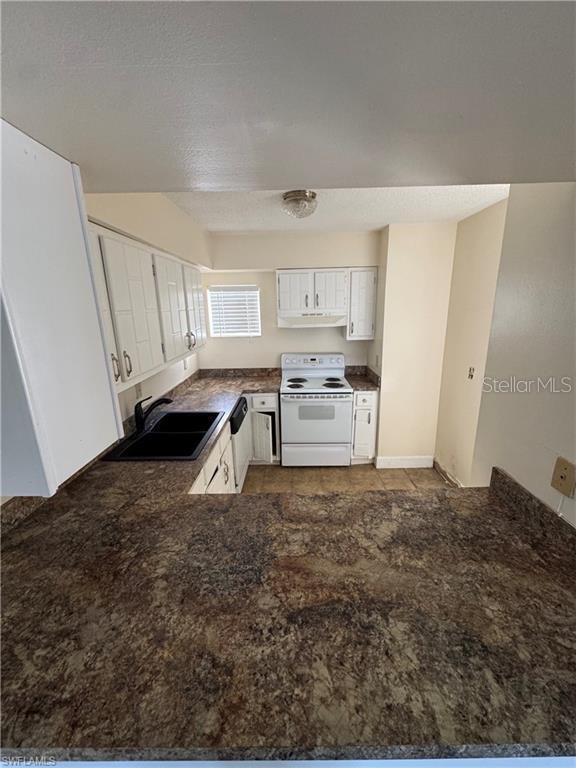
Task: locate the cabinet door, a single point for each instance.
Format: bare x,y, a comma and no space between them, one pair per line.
295,291
199,310
104,303
262,436
58,409
223,480
218,482
227,468
174,321
134,306
362,304
331,290
364,442
195,306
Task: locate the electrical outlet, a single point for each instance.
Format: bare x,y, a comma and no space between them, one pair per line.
138,391
564,477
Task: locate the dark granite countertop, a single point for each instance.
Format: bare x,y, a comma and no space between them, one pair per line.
217,393
362,383
140,622
143,622
205,393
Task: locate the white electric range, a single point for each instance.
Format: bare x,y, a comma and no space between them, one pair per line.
316,406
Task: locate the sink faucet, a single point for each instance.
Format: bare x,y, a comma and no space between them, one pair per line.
140,415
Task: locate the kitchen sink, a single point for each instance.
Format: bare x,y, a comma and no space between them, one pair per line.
176,436
186,421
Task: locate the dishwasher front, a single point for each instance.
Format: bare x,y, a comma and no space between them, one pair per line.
241,429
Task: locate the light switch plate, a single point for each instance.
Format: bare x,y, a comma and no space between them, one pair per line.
564,477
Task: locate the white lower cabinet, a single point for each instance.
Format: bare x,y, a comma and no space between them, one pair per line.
365,422
265,428
217,474
223,480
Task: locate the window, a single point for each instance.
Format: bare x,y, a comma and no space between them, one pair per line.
234,310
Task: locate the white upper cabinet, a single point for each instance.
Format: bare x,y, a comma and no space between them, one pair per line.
312,297
295,292
194,307
362,307
331,291
172,301
59,408
104,303
134,307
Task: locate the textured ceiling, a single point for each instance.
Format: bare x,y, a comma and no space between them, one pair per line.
339,210
169,96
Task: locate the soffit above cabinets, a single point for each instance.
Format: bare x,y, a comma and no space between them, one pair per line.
158,97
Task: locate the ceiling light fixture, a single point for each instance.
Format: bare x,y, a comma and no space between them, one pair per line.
299,203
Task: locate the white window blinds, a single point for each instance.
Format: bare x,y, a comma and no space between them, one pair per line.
234,310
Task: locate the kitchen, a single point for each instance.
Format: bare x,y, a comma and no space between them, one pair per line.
257,503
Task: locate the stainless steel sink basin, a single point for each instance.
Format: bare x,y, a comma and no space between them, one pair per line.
176,436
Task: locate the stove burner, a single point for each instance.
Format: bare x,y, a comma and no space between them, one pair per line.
332,378
295,386
297,380
333,385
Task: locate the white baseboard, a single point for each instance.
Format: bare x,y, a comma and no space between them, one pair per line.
404,462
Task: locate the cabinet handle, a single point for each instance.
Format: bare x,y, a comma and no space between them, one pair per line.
192,343
317,300
115,366
369,417
128,363
306,301
352,327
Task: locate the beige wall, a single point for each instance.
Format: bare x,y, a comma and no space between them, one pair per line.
533,335
375,346
264,351
476,262
282,250
157,385
156,220
418,273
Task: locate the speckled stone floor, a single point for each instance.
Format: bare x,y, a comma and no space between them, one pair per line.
359,624
357,478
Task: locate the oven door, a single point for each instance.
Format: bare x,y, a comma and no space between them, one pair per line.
316,421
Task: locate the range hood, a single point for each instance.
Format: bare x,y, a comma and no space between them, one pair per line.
312,320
